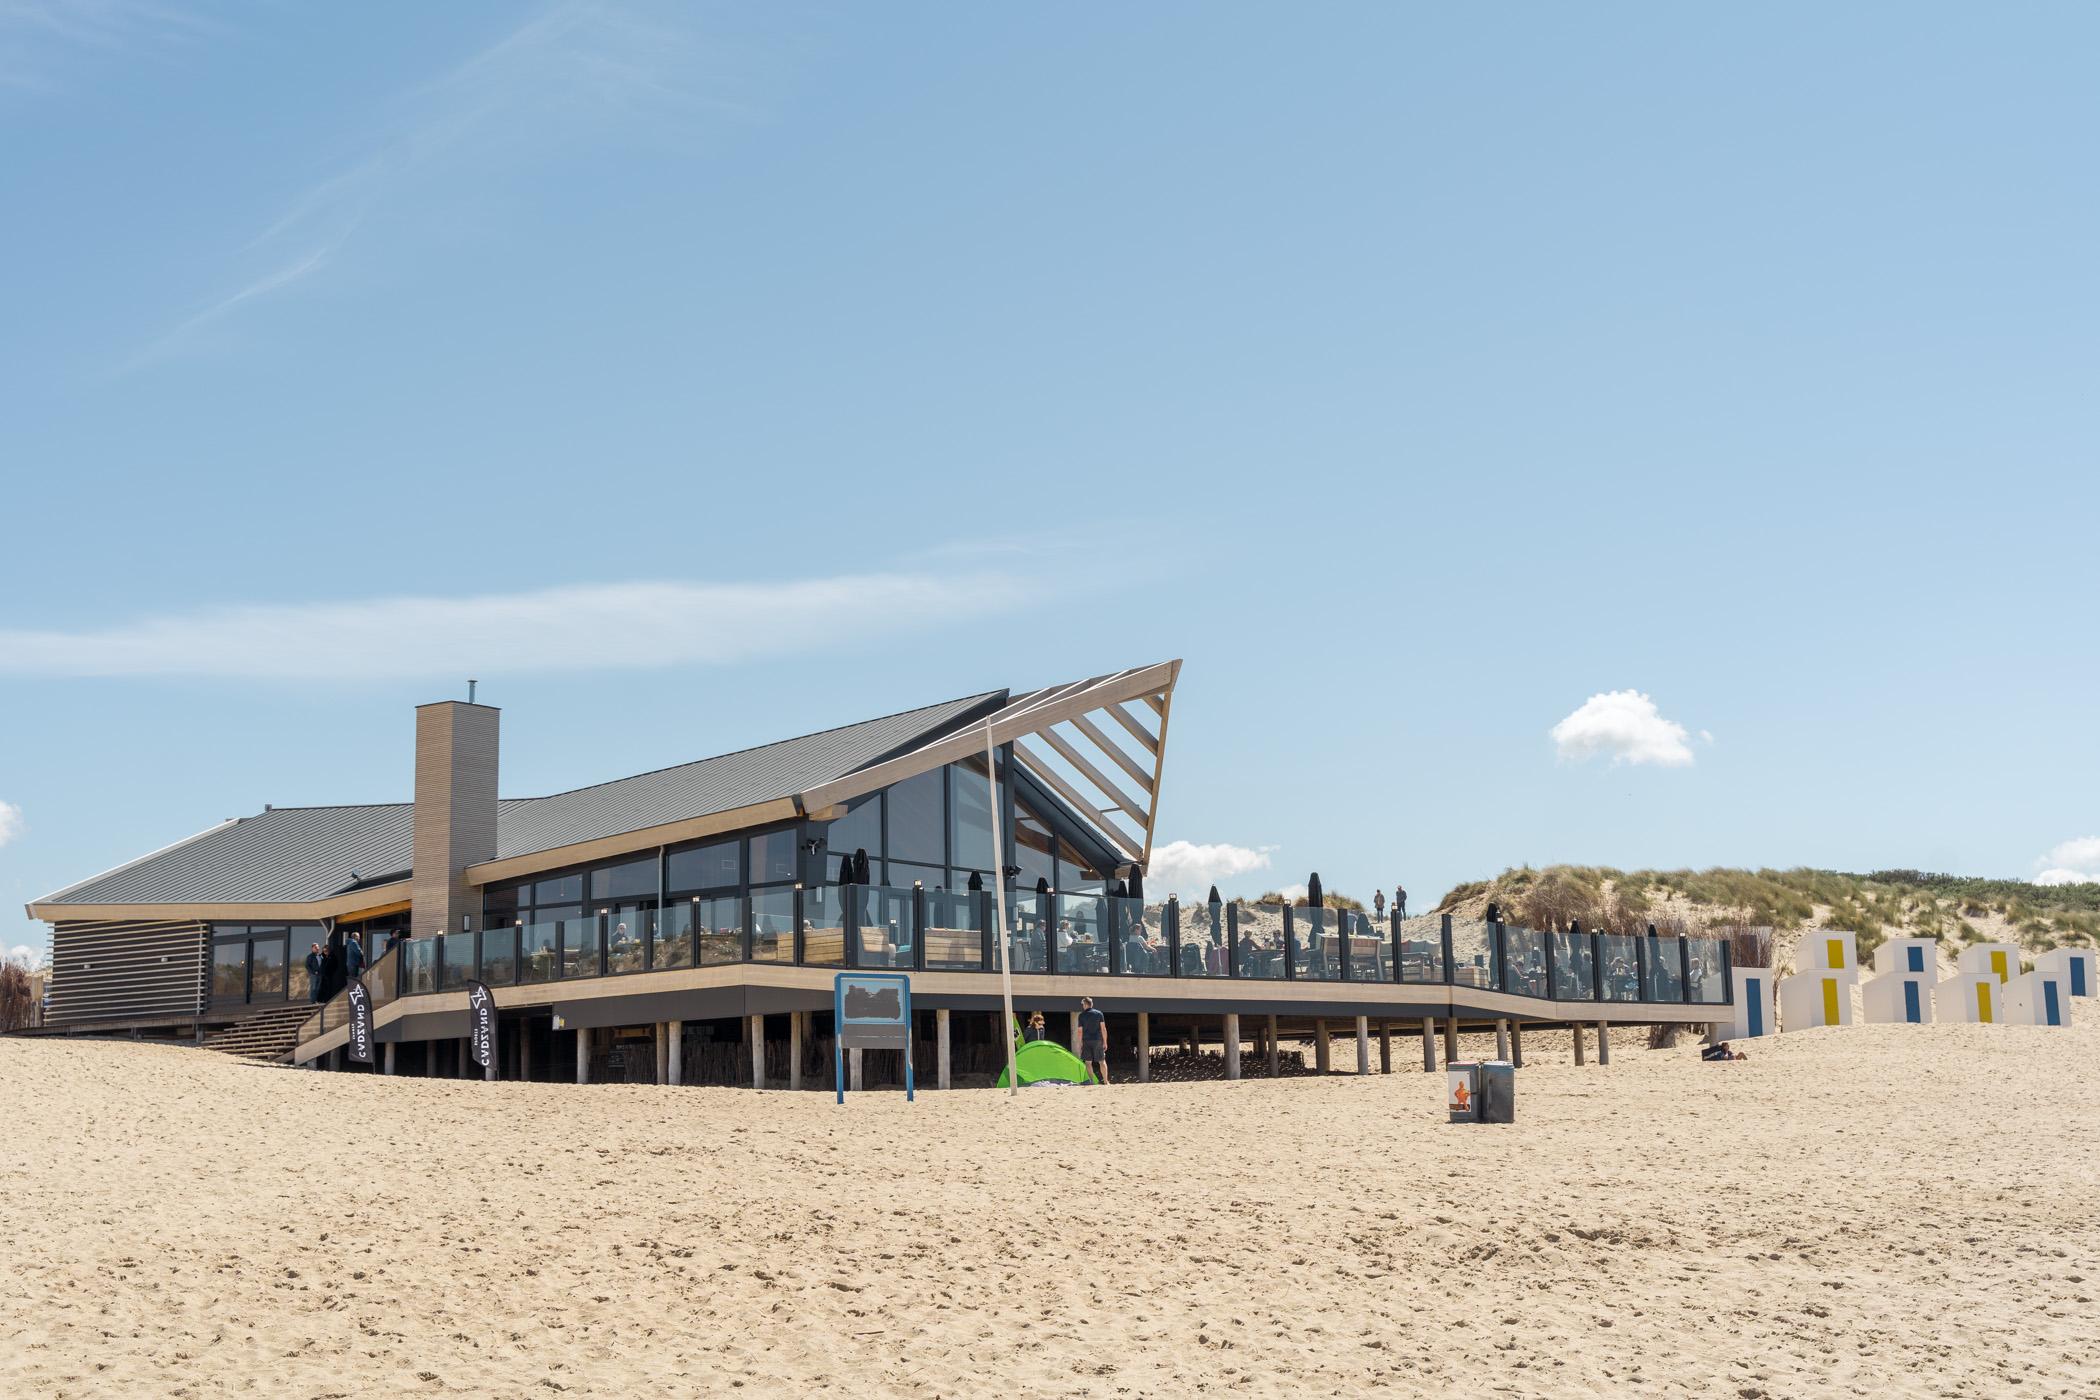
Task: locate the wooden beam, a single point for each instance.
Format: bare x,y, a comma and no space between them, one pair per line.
1122,799
1159,768
1113,750
1129,722
1071,794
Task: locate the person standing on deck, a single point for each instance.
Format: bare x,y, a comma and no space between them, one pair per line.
1378,904
353,958
314,963
1093,1038
1400,898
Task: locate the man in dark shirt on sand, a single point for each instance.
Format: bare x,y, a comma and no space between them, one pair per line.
1093,1039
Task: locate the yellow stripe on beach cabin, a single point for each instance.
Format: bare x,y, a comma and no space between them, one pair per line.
1983,996
1998,966
1836,950
1830,1001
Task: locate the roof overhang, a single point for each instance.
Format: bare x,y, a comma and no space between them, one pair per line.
1100,744
372,900
647,838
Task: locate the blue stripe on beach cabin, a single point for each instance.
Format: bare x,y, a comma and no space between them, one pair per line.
1754,990
1910,999
2049,1003
1916,955
2078,978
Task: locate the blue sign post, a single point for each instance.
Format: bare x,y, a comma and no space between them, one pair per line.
871,1011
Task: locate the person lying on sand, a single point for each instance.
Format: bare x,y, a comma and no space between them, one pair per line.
1721,1052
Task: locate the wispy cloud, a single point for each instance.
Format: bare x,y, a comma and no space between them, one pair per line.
2073,862
1625,726
574,71
1190,869
26,956
41,40
590,626
11,824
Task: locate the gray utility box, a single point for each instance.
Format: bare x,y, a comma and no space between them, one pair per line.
1497,1094
1462,1091
1481,1092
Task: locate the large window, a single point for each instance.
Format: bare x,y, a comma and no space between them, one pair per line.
634,878
970,818
916,819
229,971
859,830
773,858
719,866
266,968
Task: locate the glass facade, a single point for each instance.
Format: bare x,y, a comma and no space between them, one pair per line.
256,963
1258,938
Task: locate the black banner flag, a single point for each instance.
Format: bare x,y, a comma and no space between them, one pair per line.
360,1022
482,1003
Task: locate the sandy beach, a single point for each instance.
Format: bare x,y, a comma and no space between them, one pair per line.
1874,1211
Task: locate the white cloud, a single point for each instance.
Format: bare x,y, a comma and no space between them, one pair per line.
1293,893
1185,868
2073,862
1626,726
583,626
11,823
31,958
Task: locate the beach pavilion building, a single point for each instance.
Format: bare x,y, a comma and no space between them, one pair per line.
686,925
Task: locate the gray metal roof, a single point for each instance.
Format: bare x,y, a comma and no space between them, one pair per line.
288,854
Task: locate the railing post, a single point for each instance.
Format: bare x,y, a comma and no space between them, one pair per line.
1232,936
1684,969
1392,934
987,930
1290,946
1172,917
1727,972
750,935
1450,972
849,924
918,932
795,945
1498,948
1112,929
1640,963
1596,965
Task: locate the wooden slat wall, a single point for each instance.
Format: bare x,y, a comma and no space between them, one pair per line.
117,970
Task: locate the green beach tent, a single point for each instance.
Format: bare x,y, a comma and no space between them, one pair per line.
1045,1062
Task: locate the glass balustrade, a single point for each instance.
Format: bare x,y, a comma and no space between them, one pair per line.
824,925
1027,930
718,923
581,952
1422,949
1203,944
499,955
627,934
1139,939
384,977
456,962
1367,947
1709,968
1082,934
672,947
419,966
1524,962
1620,959
954,935
884,928
1473,955
537,942
1574,966
1316,949
1665,973
773,925
1261,943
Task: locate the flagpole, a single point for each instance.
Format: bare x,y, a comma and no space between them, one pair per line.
1006,971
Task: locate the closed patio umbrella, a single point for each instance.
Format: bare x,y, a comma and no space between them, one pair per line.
1314,895
1137,882
860,865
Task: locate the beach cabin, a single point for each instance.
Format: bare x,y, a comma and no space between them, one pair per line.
1818,997
1919,956
1999,960
1750,1014
2037,999
1827,950
1969,996
2078,967
1898,998
1826,963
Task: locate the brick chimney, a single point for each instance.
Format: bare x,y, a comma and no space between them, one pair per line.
455,821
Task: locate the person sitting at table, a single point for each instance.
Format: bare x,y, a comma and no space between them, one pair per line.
1137,953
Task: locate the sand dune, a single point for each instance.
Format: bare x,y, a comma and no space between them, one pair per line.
1880,1210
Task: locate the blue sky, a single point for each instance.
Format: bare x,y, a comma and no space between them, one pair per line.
698,376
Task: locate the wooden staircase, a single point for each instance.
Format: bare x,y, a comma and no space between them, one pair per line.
269,1034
